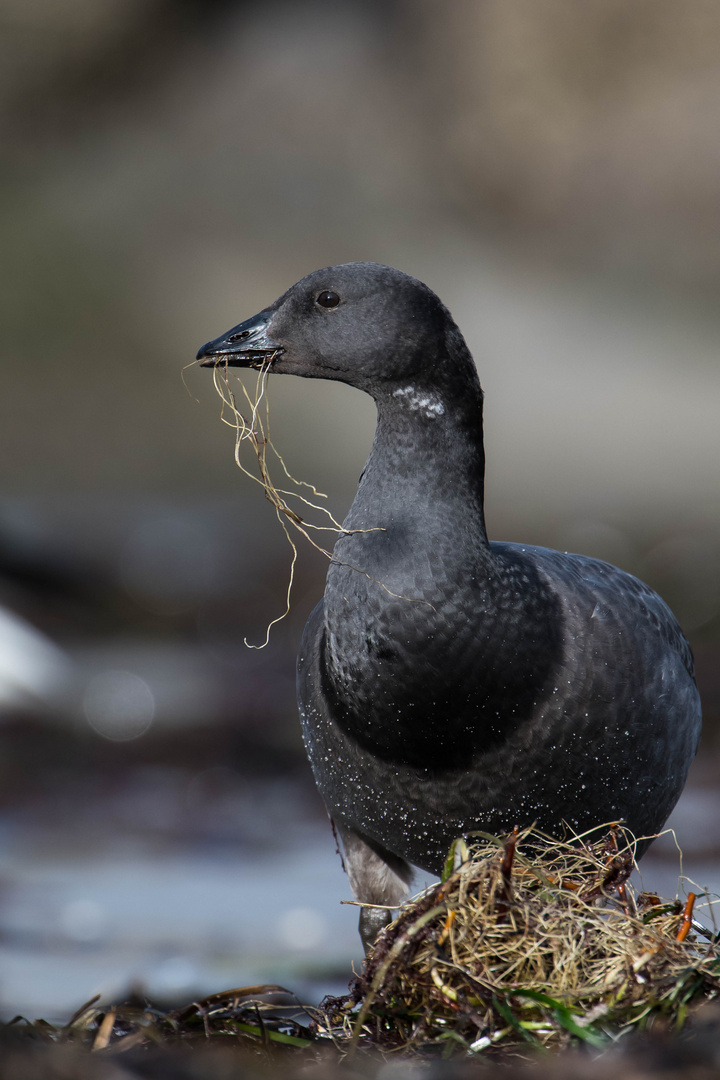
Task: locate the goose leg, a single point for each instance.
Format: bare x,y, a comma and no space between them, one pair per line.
376,877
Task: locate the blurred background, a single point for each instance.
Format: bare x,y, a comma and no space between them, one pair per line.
552,170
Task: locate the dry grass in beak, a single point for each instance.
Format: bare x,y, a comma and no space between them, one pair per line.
254,429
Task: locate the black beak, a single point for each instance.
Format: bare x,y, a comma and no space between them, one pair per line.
246,345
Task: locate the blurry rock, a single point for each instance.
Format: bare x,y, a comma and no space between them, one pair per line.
33,671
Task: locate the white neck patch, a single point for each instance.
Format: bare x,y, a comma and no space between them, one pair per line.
426,404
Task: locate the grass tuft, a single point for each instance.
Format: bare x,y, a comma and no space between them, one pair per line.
532,942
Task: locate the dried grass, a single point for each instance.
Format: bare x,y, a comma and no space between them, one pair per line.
254,430
256,1017
530,941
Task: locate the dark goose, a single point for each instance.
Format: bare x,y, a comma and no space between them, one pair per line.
457,684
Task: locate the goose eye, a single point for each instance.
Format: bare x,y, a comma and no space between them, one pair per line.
328,299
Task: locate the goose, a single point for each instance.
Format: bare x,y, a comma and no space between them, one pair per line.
448,683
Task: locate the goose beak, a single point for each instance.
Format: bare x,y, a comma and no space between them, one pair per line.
247,345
